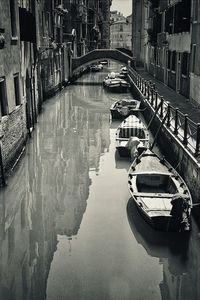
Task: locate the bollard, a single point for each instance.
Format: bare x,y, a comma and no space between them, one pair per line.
168,114
185,140
176,121
197,150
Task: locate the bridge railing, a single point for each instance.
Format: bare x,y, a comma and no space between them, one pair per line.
185,130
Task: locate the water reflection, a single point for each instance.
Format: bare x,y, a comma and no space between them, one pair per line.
121,162
44,216
175,254
48,194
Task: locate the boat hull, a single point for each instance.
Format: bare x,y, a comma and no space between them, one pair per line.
163,223
117,88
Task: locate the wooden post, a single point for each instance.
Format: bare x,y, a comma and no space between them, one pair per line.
1,165
185,141
197,150
176,121
168,114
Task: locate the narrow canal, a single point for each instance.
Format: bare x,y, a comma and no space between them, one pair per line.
68,228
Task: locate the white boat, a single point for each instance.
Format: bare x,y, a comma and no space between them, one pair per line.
132,127
160,193
124,107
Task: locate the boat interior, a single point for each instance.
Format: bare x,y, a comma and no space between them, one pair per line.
132,131
155,183
130,104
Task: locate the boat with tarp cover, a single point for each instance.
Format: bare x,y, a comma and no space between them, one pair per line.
132,135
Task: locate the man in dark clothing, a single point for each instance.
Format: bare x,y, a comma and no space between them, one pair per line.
180,214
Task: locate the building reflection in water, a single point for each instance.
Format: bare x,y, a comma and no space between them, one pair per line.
179,256
48,194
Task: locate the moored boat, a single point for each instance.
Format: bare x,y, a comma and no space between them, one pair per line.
160,193
96,68
123,108
115,84
132,135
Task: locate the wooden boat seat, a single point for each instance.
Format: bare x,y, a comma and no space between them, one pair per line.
153,195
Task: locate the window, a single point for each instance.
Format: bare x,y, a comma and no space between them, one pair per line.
16,85
184,65
174,61
13,18
169,60
3,98
193,58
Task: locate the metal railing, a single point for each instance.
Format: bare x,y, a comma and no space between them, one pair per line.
185,130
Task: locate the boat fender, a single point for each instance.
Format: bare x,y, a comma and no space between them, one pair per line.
170,169
185,192
131,176
131,189
130,182
176,177
138,160
182,184
140,204
133,168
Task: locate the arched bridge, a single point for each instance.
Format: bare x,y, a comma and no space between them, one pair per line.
101,54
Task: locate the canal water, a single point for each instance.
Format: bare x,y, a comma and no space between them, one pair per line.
68,228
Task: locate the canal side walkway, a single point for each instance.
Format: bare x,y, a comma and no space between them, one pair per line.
176,100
